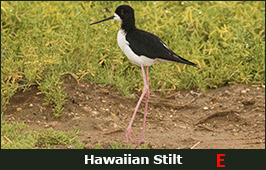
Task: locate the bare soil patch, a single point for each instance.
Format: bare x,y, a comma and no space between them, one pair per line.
224,118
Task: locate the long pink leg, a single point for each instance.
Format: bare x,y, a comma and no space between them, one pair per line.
145,89
146,105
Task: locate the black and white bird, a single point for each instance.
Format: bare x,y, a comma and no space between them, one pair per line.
143,49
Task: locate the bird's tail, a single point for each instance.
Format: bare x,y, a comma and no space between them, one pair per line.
184,61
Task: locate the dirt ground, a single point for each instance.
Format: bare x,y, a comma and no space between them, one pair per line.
231,117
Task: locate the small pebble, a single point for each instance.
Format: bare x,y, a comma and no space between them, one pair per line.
115,125
86,109
183,127
31,105
95,112
227,92
70,147
205,108
19,109
51,124
243,91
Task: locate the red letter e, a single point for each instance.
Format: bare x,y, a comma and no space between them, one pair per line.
219,160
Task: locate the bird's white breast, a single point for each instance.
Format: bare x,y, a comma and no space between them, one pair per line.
124,45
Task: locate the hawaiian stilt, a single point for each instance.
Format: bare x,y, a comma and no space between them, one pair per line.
143,49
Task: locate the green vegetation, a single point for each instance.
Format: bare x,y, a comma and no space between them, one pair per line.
43,41
14,137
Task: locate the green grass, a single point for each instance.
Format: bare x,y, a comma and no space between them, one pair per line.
42,41
13,136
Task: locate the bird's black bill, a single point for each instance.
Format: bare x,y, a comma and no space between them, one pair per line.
103,20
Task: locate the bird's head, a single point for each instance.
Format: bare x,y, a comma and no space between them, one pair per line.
123,13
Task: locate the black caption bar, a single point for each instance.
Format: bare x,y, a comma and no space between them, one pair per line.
157,159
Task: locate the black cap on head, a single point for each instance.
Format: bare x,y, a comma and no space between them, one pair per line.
126,15
124,11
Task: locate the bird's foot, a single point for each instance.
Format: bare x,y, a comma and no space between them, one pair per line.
128,136
140,141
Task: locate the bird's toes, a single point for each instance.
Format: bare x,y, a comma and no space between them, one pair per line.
140,141
128,136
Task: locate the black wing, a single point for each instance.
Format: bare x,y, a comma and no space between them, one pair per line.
149,45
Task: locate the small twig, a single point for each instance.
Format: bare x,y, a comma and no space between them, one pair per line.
222,113
3,51
7,139
195,145
206,128
233,73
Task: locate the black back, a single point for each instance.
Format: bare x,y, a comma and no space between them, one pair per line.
149,45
